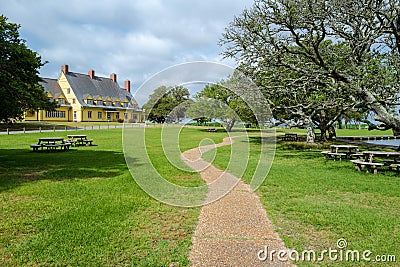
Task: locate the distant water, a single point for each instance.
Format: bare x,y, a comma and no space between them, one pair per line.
391,142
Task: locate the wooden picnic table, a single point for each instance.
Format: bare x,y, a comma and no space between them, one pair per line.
50,140
339,151
51,144
347,148
290,137
371,155
370,162
79,139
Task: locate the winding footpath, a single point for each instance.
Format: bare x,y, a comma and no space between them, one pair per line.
235,229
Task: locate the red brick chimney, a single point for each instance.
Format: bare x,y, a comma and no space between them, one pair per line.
64,69
113,77
127,85
91,74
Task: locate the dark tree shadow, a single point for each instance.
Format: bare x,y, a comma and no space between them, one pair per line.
19,166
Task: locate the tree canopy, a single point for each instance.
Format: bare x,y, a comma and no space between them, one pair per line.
232,100
19,77
167,102
316,60
213,102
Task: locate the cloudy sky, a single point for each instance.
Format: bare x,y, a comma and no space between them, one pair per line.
133,38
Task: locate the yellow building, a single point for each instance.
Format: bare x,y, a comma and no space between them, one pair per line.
87,97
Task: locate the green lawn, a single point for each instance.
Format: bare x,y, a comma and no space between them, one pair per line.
82,207
313,202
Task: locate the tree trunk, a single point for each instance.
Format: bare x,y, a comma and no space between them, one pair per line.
382,114
229,125
332,132
310,135
340,126
323,128
396,131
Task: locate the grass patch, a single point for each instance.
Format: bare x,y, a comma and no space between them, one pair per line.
82,207
313,202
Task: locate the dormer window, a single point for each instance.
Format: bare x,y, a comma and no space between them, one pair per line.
109,103
51,99
99,102
126,105
61,101
117,104
90,101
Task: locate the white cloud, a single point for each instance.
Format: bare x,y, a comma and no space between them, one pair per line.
134,39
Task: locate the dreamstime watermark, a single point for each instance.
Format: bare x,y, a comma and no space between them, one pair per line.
339,254
137,141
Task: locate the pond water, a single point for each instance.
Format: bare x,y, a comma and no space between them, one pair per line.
392,142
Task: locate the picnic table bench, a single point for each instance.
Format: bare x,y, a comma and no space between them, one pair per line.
369,163
333,155
79,139
51,144
394,166
342,151
360,165
290,137
211,130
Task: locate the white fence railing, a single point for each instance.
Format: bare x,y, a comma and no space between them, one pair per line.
63,128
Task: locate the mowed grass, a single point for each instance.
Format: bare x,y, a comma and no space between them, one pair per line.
82,207
313,202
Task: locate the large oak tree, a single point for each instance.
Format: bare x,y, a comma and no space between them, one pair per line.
167,102
321,58
19,77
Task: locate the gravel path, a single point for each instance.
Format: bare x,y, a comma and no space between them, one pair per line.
234,229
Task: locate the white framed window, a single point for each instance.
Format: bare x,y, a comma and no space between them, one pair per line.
90,101
89,114
55,114
99,102
60,101
99,115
